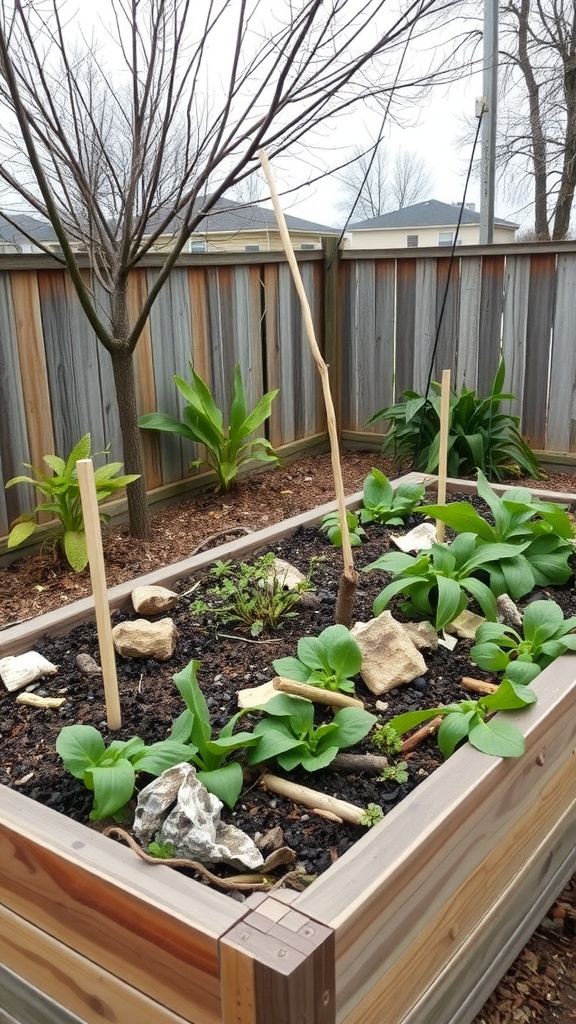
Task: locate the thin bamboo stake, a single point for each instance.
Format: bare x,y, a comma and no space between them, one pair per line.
421,734
311,798
93,532
443,449
477,685
316,693
349,578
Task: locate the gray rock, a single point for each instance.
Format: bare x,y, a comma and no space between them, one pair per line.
177,808
508,612
153,600
87,666
144,639
422,634
389,658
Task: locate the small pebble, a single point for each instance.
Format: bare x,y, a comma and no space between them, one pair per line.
381,705
420,683
304,817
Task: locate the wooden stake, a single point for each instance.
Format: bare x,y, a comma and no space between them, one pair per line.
91,515
316,693
477,685
311,798
443,449
349,577
421,734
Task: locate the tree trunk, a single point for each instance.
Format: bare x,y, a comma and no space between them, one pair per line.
125,383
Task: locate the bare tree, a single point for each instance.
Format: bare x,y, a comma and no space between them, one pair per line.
118,144
377,182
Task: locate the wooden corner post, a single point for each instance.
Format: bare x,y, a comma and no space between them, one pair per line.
277,965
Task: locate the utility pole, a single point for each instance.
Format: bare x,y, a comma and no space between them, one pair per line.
488,107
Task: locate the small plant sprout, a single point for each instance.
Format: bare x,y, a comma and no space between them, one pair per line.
332,528
387,739
395,773
162,851
328,660
383,503
471,719
547,635
373,814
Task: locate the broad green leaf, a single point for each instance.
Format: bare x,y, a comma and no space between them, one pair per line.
225,782
314,762
194,700
397,586
56,464
461,516
300,712
509,696
353,725
410,719
113,788
80,451
76,550
521,673
274,738
450,601
19,533
80,747
541,621
453,729
158,757
497,737
260,413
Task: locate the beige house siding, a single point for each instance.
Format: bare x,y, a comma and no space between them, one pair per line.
239,241
397,238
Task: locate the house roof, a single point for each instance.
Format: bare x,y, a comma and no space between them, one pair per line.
229,216
38,229
432,213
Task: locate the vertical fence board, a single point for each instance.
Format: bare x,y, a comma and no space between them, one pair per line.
289,353
447,308
145,383
491,309
517,285
382,378
112,434
37,402
467,349
562,412
540,314
359,375
271,340
405,324
424,322
14,448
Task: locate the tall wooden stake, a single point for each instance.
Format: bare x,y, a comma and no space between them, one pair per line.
349,577
443,449
91,515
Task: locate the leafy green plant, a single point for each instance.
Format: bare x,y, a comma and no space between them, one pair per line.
110,772
288,735
162,851
386,739
221,776
250,594
547,634
395,773
373,814
437,583
228,448
62,491
333,529
542,530
481,436
327,660
471,719
382,503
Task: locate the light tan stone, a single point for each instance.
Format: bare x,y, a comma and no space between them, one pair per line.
153,600
422,634
465,625
144,639
389,658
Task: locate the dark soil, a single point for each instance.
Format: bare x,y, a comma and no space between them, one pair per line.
542,985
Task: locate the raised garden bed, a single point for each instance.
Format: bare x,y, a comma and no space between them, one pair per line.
417,922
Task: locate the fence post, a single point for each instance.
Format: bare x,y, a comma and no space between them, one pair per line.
332,333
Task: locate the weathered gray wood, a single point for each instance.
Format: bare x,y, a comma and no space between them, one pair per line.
14,447
425,323
382,385
361,377
538,333
405,324
517,283
22,1003
491,308
561,410
447,296
289,354
467,355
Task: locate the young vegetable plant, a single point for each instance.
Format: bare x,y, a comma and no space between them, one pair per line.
110,772
221,776
547,635
228,448
541,529
333,529
382,503
249,593
470,719
437,582
288,735
327,660
62,491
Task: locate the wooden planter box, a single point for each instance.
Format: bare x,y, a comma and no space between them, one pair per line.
416,923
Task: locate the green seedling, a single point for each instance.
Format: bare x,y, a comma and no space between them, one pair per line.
471,719
332,528
382,503
547,635
328,660
395,773
373,814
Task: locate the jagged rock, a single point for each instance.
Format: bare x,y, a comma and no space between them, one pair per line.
273,839
17,670
144,639
389,658
287,575
254,696
153,600
87,666
422,634
420,538
465,625
177,808
310,600
508,612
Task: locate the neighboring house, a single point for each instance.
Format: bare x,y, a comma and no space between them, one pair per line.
235,227
13,240
424,224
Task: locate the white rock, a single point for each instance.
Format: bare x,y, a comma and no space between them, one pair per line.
177,808
465,625
389,658
287,575
18,670
144,639
153,600
419,539
508,612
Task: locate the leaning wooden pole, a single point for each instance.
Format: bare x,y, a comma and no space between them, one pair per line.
349,578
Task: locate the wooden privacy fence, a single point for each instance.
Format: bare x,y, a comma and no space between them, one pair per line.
376,315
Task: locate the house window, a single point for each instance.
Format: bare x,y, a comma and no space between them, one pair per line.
445,237
307,245
412,241
252,248
197,246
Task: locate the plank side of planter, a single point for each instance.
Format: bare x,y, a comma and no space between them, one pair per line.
417,922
